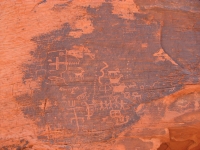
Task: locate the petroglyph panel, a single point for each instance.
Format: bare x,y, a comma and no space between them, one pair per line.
93,84
85,82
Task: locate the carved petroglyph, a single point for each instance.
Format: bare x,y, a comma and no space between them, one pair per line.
76,118
116,79
136,96
80,75
115,76
162,56
133,85
58,63
82,96
71,103
119,88
105,88
122,104
102,71
114,73
71,90
57,80
118,117
90,110
79,52
101,105
127,95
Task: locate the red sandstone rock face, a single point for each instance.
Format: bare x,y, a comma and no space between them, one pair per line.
83,74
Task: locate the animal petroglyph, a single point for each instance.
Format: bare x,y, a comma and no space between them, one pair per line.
119,88
71,90
79,75
79,52
114,73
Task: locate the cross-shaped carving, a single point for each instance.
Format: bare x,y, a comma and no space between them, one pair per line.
58,63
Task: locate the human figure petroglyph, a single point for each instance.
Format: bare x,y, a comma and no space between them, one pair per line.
105,105
110,104
116,103
101,105
122,104
90,110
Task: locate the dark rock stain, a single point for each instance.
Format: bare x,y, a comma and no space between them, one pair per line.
118,43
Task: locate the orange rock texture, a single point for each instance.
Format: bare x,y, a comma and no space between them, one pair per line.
100,75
